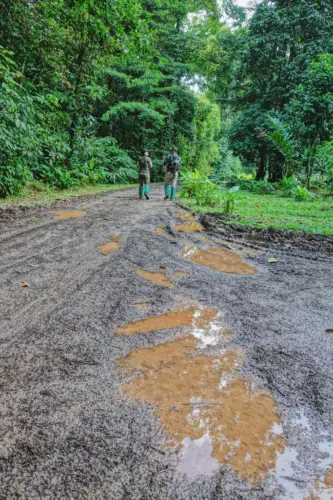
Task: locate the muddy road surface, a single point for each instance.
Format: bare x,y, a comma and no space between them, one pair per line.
148,355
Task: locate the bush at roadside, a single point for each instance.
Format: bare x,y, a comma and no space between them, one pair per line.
206,193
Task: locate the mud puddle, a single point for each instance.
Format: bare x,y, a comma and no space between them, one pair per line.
311,488
318,489
205,324
322,487
143,306
218,258
180,274
189,227
111,246
160,279
187,217
211,415
69,214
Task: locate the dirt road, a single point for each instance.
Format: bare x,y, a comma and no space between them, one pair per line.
140,360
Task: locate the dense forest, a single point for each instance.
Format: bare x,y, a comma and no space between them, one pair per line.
86,84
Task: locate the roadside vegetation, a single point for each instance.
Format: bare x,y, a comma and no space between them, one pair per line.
40,194
275,211
283,205
85,86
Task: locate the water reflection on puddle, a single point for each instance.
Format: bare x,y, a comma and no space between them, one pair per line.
195,457
204,324
69,214
320,488
218,258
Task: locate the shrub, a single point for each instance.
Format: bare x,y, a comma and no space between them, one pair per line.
101,160
230,199
230,169
259,187
18,140
288,184
207,193
13,178
193,183
301,194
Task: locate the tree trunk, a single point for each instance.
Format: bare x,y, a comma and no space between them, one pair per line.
276,167
261,170
310,162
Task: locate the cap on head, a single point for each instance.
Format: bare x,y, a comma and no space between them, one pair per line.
174,149
144,151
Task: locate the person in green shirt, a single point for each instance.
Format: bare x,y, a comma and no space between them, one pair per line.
172,166
145,164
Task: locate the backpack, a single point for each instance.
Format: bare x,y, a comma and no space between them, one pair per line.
174,164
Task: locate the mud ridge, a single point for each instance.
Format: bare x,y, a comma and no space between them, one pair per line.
286,241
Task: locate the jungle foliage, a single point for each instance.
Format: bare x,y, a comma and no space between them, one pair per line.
85,85
278,95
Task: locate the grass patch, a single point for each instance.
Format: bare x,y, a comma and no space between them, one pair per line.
39,194
271,210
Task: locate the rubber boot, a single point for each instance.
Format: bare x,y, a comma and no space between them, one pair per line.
147,191
167,191
173,193
141,191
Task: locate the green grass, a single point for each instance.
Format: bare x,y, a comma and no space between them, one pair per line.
39,194
271,210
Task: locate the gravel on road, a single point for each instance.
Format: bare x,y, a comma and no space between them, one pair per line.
148,356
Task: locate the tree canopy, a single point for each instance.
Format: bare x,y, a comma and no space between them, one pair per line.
85,85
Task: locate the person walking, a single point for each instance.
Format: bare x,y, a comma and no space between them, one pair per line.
145,165
172,166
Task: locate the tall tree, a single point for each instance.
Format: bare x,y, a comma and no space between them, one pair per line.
283,38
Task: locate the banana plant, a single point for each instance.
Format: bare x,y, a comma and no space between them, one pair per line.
283,141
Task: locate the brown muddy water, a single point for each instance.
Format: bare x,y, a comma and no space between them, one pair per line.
197,318
218,258
69,214
211,415
183,216
189,227
180,274
160,279
110,247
